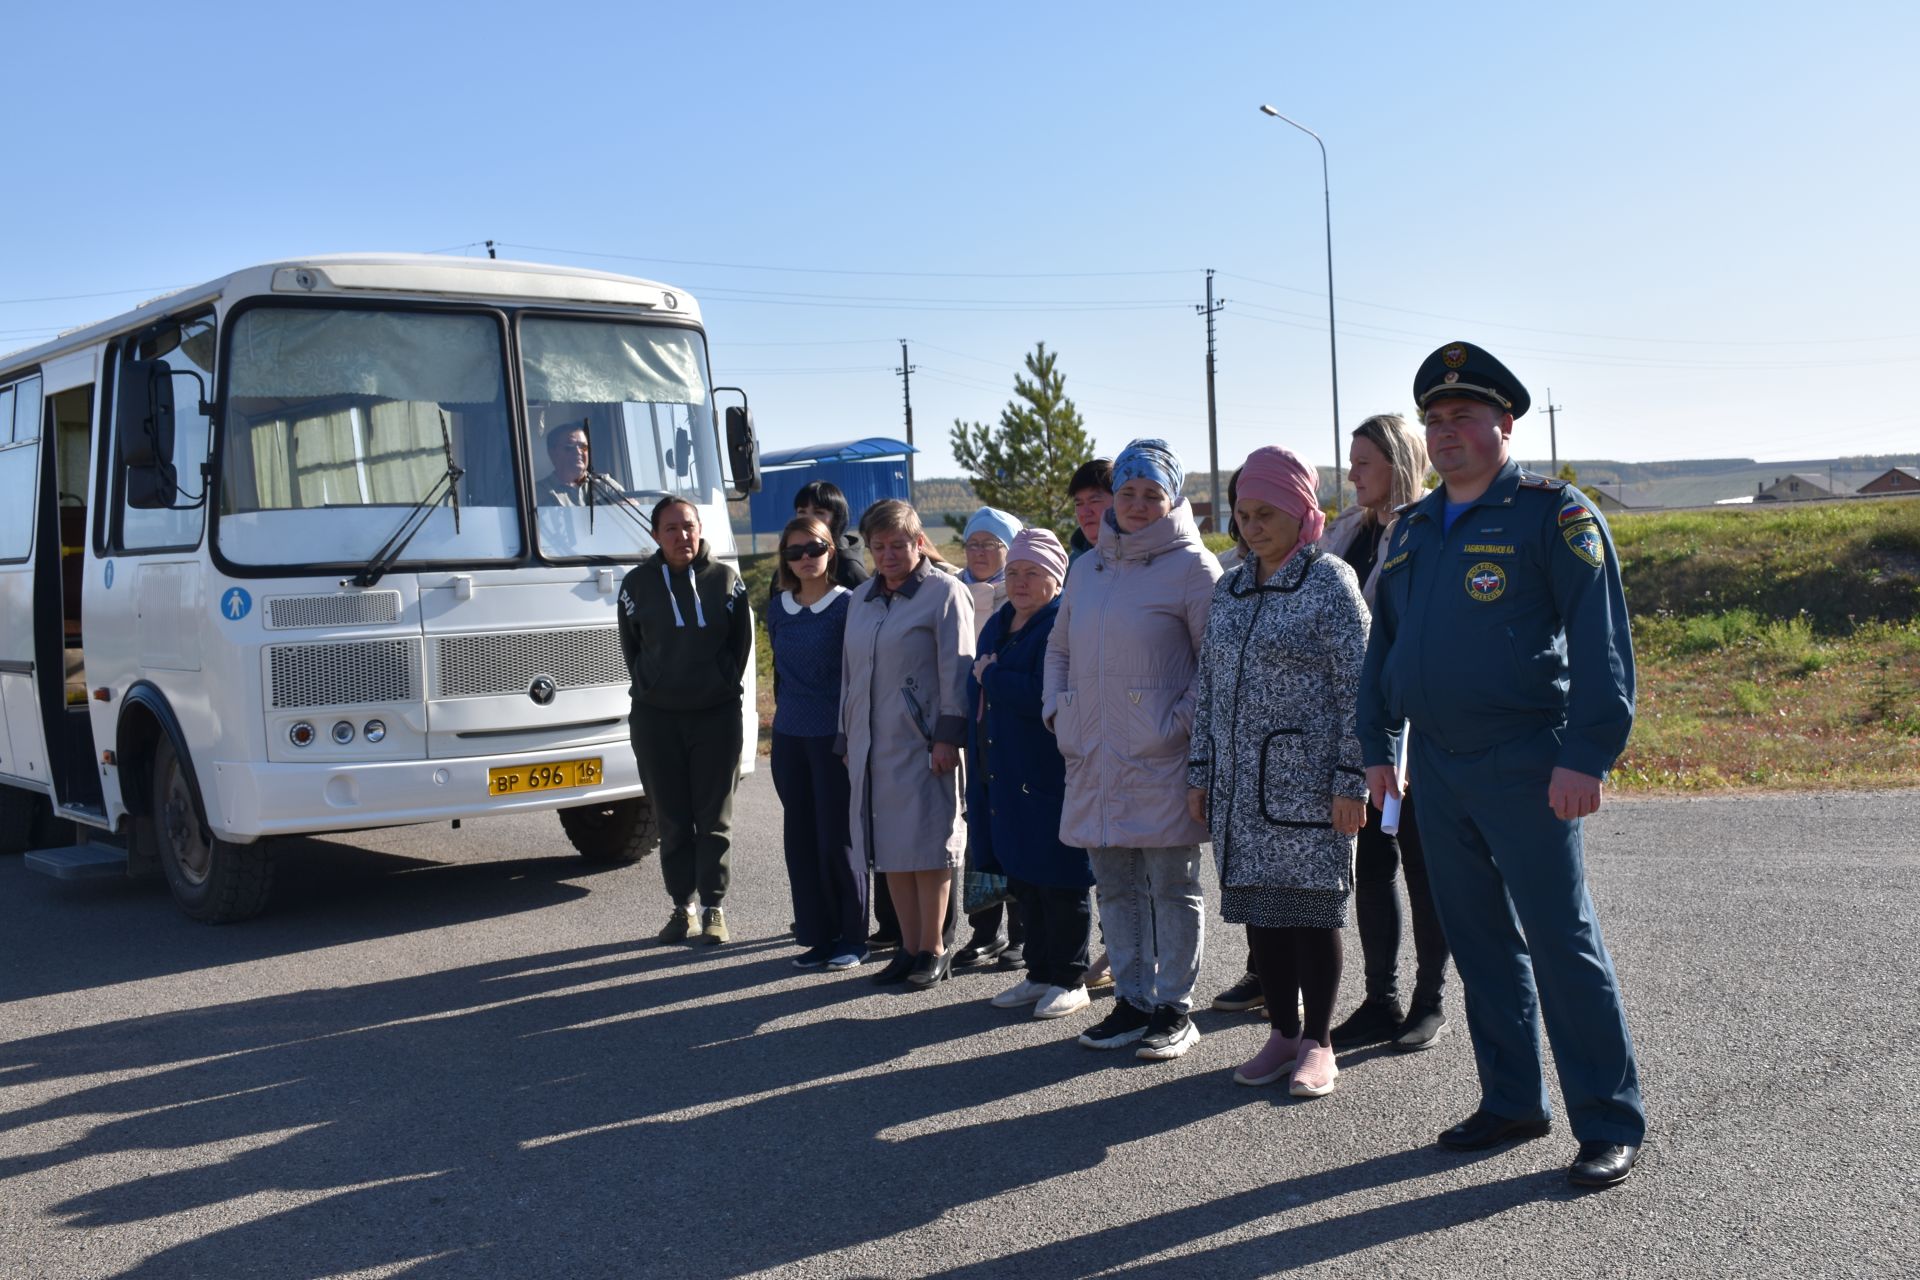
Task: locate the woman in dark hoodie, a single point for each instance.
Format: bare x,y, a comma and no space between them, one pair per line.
823,500
687,634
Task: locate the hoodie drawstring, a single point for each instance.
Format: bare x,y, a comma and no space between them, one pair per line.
699,613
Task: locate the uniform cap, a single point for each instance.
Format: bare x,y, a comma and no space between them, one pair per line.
1462,369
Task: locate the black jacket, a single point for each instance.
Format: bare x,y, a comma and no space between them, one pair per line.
687,644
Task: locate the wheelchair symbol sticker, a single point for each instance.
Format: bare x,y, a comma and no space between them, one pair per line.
235,604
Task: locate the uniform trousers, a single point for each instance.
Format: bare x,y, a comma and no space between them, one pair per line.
690,766
827,878
1509,880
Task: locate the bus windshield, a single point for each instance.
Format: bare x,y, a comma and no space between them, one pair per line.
340,421
621,400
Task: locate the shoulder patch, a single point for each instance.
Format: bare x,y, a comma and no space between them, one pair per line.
1584,540
1574,508
1528,480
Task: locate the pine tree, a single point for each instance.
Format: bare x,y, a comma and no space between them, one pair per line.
1023,464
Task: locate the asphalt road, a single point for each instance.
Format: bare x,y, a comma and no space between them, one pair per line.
461,1054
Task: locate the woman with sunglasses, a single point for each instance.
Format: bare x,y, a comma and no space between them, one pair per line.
807,625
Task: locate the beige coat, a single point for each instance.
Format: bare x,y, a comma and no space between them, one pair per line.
905,817
1119,685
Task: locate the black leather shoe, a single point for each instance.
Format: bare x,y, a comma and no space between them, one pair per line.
897,969
928,968
979,951
883,942
1373,1022
1484,1129
1602,1164
1014,957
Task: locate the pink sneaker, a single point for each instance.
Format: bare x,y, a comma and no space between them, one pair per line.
1275,1059
1315,1075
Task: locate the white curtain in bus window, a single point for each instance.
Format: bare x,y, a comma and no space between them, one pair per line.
640,393
353,409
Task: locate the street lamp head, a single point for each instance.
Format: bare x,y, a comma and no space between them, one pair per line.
1269,110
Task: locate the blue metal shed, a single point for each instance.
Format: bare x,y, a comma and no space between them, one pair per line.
867,471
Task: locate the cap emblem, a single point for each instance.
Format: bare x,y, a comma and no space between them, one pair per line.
1454,356
1451,377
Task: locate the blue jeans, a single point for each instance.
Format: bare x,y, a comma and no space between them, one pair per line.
1152,917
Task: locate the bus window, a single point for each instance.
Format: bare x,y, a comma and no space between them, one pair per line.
19,469
332,412
639,394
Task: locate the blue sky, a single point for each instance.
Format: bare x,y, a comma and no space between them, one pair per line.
1692,222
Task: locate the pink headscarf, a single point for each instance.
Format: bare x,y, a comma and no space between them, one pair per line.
1277,477
1041,547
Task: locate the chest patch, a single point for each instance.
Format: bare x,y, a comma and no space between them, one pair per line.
1395,561
1486,582
1584,541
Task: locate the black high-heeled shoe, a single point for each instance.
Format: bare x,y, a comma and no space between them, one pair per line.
896,970
928,968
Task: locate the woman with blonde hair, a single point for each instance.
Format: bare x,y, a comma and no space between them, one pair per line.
903,719
1389,469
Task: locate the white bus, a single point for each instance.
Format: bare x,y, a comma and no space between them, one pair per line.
289,553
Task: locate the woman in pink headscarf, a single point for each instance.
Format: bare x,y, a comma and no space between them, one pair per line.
1275,768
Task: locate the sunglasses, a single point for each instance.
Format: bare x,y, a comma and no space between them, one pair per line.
805,550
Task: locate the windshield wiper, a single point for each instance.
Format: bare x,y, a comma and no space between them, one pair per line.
448,485
602,483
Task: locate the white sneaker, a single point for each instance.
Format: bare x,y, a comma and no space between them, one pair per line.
1058,1002
1022,992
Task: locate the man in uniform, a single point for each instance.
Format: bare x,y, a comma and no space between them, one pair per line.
1500,631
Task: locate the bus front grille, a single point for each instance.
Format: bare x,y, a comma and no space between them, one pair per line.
344,675
364,608
509,661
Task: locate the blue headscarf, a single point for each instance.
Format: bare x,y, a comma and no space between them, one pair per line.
1150,460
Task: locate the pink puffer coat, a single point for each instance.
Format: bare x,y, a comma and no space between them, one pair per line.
1119,685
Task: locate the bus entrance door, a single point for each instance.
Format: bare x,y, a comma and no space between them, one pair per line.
59,632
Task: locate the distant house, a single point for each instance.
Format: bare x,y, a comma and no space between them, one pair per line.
1798,487
1894,480
1616,497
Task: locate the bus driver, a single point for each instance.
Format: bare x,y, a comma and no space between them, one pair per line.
570,454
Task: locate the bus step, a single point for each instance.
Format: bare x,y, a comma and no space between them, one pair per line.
79,862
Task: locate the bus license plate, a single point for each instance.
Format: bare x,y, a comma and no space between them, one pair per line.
519,779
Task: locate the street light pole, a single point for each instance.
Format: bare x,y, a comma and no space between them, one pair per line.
1333,350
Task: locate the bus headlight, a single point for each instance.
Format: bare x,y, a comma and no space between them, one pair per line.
301,735
343,732
375,730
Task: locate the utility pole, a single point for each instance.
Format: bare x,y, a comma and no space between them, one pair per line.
1213,422
1553,431
490,252
905,373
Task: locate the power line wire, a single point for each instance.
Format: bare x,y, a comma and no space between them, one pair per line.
838,271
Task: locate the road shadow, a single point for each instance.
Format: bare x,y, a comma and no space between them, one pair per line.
623,1109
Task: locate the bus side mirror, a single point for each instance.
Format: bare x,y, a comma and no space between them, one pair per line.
145,432
743,450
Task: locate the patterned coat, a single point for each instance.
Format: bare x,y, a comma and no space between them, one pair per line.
1273,733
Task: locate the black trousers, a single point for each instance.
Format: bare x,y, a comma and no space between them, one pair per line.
1059,933
1376,908
690,765
986,924
829,883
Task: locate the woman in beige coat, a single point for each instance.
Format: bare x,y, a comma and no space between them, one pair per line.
1119,698
910,645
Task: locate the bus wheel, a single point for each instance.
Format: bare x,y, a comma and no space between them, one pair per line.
19,819
212,879
621,832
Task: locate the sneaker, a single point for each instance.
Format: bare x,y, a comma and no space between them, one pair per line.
1100,977
979,951
1317,1071
1277,1057
1118,1029
1025,991
1058,1002
713,926
1374,1022
1425,1024
1170,1034
680,925
1242,995
812,958
844,958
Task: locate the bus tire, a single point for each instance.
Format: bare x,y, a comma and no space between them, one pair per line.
213,880
616,833
20,820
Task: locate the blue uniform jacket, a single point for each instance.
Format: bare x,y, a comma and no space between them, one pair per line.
1510,623
1016,777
